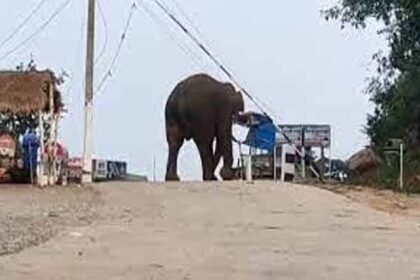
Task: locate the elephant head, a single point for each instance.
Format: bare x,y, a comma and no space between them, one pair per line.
236,100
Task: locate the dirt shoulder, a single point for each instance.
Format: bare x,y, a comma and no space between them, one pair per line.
31,216
381,200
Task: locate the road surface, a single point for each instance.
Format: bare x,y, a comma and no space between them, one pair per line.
225,231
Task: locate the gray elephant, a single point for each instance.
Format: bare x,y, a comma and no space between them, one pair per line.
202,109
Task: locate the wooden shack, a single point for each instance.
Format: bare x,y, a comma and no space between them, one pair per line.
34,92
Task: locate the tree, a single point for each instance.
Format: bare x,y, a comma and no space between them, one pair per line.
395,90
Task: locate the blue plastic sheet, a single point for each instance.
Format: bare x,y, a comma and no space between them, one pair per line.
30,145
262,134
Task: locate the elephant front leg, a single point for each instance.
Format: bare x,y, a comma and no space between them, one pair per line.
224,143
207,161
227,172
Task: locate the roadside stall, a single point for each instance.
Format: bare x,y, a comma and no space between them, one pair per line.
31,96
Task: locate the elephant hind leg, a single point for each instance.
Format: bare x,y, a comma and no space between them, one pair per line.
207,161
175,140
224,149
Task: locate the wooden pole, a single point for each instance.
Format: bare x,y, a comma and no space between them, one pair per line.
41,181
55,147
51,148
90,52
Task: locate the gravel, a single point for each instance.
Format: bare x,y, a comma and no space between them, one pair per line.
31,216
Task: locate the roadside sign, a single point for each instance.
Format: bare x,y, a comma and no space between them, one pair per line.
307,135
393,145
293,132
317,136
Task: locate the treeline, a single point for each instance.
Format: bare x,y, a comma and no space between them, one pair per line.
395,89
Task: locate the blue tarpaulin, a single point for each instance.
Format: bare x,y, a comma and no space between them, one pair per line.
30,145
262,133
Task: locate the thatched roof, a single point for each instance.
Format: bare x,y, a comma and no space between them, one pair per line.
27,92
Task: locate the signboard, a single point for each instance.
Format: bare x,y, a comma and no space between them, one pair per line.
117,169
293,132
75,169
393,145
308,135
7,145
109,170
317,136
103,170
100,171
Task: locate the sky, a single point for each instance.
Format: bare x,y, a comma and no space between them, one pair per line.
304,69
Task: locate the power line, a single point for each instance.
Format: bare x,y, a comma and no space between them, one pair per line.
189,20
105,24
228,74
108,73
199,32
206,41
208,53
16,30
41,28
171,35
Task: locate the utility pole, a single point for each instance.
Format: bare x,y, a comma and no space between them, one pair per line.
90,52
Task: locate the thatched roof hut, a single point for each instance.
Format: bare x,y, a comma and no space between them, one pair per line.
27,92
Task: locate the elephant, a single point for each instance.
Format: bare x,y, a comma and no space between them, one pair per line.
202,108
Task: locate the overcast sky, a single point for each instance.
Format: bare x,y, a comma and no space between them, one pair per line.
283,52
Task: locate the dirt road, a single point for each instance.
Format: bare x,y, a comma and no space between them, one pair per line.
231,231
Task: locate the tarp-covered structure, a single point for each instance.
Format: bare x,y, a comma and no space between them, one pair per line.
262,131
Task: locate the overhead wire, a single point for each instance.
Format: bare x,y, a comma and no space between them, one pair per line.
199,33
108,73
171,35
204,39
229,75
208,53
105,26
24,22
41,28
77,55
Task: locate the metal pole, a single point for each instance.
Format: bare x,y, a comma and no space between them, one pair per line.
303,164
402,166
330,163
275,163
90,52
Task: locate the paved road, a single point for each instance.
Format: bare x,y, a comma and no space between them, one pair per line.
231,231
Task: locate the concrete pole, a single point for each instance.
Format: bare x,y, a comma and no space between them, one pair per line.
90,52
248,171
